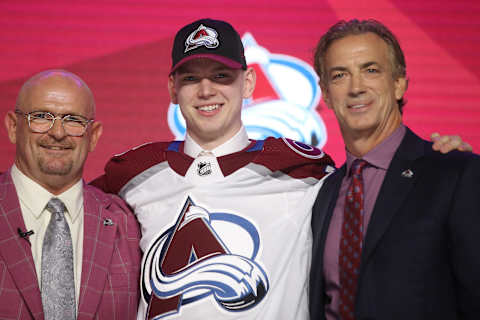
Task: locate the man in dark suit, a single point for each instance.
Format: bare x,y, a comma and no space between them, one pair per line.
67,250
395,229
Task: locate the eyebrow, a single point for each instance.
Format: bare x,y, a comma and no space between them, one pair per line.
362,66
180,70
337,69
368,64
62,114
223,68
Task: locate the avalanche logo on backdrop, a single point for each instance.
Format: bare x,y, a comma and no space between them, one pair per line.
204,255
283,103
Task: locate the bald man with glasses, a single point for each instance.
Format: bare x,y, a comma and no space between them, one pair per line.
67,249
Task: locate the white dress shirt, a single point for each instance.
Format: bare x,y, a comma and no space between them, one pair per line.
33,200
236,143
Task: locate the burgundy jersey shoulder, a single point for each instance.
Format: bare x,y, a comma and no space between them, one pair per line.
297,159
123,167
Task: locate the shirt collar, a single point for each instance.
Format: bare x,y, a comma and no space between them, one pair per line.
383,153
238,142
35,197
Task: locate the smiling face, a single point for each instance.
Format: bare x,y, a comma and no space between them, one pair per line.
210,96
361,89
53,159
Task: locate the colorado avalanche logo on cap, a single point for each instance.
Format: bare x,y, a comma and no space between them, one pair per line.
202,36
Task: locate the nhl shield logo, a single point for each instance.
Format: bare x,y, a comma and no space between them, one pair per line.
204,168
202,36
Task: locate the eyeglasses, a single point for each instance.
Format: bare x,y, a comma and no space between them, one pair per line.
42,121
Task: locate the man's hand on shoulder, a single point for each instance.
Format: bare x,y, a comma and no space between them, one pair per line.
447,143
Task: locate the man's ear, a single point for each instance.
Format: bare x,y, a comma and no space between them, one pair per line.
401,85
12,126
325,95
250,80
171,89
96,131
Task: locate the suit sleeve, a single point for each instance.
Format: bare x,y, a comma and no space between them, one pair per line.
133,233
465,239
132,236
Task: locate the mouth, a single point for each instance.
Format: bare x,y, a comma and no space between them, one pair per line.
358,106
209,107
56,148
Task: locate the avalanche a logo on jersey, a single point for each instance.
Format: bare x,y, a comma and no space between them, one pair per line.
204,255
203,36
283,103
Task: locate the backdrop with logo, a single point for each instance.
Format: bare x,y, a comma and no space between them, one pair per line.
122,50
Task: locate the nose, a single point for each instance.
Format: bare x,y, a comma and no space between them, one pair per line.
57,131
357,85
206,88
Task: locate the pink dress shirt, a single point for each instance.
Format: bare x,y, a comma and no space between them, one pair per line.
379,159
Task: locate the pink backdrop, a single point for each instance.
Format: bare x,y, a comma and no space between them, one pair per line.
122,50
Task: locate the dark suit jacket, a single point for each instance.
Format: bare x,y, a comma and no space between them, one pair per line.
421,255
111,259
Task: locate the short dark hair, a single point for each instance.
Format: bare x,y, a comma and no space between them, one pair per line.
343,29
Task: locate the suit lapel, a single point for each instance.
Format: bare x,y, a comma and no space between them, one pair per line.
98,243
16,251
322,214
328,197
395,188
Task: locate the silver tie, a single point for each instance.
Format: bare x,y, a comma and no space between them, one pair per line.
58,286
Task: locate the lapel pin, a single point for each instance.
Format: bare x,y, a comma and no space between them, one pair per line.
407,173
108,222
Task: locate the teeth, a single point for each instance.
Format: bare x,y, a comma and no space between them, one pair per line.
55,148
209,108
357,106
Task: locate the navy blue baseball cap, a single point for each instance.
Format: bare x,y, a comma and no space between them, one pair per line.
211,39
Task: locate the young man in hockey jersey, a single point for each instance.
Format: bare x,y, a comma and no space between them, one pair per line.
225,220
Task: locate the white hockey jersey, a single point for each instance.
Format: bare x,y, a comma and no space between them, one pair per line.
223,238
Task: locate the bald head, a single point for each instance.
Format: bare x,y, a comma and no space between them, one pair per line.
56,79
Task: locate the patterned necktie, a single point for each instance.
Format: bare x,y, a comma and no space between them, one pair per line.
58,286
351,241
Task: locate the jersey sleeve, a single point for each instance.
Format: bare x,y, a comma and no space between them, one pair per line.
123,167
294,158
